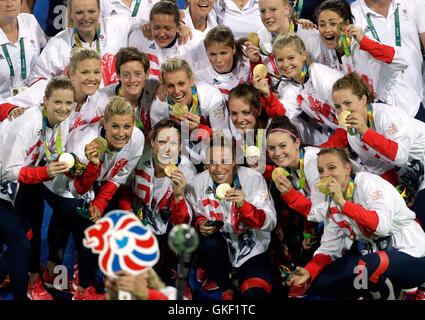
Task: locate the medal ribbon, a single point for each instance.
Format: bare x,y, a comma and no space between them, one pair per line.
195,100
258,141
136,8
138,118
344,42
302,174
43,137
78,40
236,185
353,131
397,28
23,60
350,189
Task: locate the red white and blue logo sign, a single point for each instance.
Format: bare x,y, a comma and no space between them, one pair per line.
123,243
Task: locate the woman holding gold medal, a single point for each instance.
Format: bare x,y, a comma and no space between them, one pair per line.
307,89
156,189
294,179
345,47
238,199
31,146
248,122
227,64
363,207
388,141
196,103
107,153
276,18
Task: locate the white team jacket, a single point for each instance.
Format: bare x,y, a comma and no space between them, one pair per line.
54,59
153,195
314,98
211,108
34,42
21,144
91,112
267,44
116,167
383,78
241,22
395,219
211,21
226,81
243,242
117,7
193,51
406,133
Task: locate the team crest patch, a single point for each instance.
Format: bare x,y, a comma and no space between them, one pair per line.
393,129
376,195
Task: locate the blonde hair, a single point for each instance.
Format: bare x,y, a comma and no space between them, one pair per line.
81,54
118,105
287,39
69,22
176,64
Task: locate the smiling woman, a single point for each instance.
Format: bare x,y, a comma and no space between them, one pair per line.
30,160
90,192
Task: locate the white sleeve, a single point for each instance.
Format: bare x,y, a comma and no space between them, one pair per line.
137,39
312,41
30,97
159,110
287,94
51,62
420,15
395,127
332,242
378,198
258,195
13,160
218,115
133,158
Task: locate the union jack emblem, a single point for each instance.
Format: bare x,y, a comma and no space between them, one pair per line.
123,243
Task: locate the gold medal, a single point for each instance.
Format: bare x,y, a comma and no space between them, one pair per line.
254,39
222,189
179,109
277,172
323,185
67,158
260,70
342,118
341,26
170,168
102,144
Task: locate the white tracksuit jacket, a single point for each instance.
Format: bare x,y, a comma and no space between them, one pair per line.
247,230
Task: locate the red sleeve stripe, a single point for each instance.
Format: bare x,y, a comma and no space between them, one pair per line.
378,50
378,142
317,264
367,220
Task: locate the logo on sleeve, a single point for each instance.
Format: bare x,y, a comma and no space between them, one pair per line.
376,195
113,12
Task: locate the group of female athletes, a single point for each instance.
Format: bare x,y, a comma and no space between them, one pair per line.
293,141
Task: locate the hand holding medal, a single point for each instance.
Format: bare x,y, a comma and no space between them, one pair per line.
94,149
279,176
